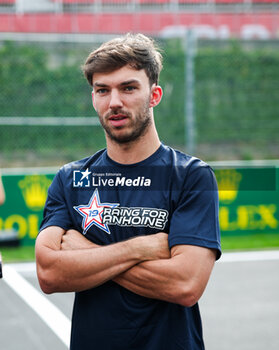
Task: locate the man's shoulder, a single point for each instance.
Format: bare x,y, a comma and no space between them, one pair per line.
81,164
77,171
182,159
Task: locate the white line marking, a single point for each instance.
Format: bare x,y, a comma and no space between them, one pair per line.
263,255
26,269
48,312
56,320
23,266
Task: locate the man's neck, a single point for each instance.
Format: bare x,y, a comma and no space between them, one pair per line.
135,151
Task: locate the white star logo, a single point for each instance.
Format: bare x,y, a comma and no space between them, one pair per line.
92,213
85,174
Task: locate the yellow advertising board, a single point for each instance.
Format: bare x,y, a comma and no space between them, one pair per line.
249,200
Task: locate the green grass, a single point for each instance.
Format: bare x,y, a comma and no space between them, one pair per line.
17,254
250,242
229,243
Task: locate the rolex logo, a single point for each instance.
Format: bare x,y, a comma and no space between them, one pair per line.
228,184
34,190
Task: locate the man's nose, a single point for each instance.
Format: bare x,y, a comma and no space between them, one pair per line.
115,100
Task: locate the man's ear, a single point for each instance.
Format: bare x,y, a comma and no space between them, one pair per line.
93,100
156,95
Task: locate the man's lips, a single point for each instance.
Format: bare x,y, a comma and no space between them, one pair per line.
117,116
118,120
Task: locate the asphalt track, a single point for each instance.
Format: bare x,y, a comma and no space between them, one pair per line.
240,308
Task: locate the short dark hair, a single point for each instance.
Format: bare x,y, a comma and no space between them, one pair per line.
136,50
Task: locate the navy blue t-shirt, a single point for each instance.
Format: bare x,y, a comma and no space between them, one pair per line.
109,202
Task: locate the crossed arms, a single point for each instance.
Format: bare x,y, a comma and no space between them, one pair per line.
67,262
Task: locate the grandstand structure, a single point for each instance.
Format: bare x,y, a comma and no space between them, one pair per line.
211,19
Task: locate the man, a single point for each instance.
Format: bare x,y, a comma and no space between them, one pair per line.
133,229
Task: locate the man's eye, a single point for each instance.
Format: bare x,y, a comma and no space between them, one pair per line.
101,91
129,88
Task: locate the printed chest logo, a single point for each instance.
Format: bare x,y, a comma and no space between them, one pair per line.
104,214
88,179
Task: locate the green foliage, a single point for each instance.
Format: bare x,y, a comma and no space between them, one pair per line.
169,115
31,88
236,99
236,93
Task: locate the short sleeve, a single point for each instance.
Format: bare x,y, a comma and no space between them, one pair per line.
56,212
195,220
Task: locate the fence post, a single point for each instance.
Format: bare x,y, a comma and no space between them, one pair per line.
189,107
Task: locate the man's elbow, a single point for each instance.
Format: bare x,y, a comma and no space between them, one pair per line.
188,300
187,296
47,281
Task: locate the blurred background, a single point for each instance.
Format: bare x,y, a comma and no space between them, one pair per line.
221,89
220,103
220,77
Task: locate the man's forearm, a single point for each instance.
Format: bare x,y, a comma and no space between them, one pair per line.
139,278
180,279
152,279
81,269
87,268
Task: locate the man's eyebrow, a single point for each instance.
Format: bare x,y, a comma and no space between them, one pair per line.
131,81
100,85
124,83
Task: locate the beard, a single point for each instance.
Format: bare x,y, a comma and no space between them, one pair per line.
137,126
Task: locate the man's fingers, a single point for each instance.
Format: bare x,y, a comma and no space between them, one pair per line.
73,239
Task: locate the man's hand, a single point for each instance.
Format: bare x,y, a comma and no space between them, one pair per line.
155,246
73,239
